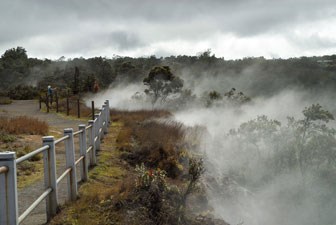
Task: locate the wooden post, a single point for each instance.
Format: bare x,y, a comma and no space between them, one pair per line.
97,126
50,178
8,190
67,105
47,102
40,102
93,110
92,135
107,102
70,163
78,108
56,95
83,148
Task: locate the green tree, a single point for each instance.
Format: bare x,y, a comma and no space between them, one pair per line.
161,83
314,141
15,59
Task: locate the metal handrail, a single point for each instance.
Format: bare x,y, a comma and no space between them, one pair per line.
89,149
77,132
63,175
61,139
31,154
35,204
78,160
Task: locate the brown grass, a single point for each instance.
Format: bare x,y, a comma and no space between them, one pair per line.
23,125
137,116
147,140
73,107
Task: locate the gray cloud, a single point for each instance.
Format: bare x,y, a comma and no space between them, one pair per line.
132,24
124,40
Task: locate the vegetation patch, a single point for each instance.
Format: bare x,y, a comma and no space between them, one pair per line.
23,125
145,175
5,100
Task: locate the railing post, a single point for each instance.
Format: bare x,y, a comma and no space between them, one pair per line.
108,110
56,101
8,190
50,178
101,119
47,102
83,148
92,134
97,127
105,118
92,109
70,163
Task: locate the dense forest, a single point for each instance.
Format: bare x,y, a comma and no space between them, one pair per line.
256,76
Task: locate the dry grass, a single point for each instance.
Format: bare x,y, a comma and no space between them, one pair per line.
73,107
23,125
129,117
147,140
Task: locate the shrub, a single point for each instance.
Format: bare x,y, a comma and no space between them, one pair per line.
5,100
165,203
6,138
23,92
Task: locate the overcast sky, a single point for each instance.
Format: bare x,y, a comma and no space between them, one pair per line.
230,28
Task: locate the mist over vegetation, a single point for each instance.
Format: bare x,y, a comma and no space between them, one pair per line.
269,143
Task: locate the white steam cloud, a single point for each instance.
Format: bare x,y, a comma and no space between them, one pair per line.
282,200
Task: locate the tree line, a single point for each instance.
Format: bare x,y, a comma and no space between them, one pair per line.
257,76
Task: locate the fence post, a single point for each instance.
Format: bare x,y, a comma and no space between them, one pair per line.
67,106
78,108
97,127
101,119
92,110
105,118
83,148
40,102
8,190
56,101
70,163
47,102
50,178
108,110
92,134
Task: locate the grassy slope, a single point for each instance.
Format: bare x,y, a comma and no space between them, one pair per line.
105,181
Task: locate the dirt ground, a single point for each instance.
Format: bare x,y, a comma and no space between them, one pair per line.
57,123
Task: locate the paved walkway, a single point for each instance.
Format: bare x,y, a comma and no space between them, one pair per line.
31,108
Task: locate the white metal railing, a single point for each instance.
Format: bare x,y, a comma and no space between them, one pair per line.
89,141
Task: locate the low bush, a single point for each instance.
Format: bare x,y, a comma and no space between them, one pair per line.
5,100
6,138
